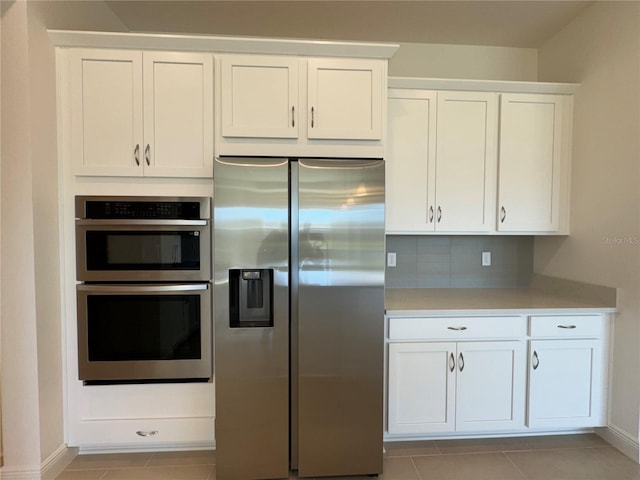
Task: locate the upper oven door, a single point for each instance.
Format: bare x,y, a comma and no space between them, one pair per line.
143,250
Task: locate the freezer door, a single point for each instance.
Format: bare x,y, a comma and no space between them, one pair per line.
340,317
251,255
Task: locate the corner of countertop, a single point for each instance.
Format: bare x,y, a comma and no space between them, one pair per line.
561,287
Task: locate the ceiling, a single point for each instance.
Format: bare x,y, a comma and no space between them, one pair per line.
526,24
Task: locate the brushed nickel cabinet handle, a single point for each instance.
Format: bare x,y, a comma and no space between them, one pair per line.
503,214
535,361
458,329
461,362
439,213
147,154
313,117
568,327
148,433
293,116
136,154
452,362
430,213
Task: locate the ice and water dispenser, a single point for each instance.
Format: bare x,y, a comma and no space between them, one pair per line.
251,298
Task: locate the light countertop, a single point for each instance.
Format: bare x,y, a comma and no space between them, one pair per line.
544,295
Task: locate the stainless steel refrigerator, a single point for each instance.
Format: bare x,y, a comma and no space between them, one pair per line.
299,308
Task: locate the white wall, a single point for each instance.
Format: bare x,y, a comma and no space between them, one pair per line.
464,61
19,376
32,389
601,50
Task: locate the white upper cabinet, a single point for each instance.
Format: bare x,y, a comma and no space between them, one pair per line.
296,106
178,114
465,161
410,165
106,112
530,162
344,99
440,161
135,113
260,96
478,161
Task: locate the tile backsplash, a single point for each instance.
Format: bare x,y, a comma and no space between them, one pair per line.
455,261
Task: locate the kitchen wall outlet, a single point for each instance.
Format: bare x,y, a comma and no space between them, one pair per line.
391,259
486,259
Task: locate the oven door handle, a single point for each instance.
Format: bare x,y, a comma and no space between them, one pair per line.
117,288
127,222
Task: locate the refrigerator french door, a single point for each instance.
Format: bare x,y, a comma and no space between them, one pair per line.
299,308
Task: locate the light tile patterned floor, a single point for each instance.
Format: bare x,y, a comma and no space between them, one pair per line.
561,457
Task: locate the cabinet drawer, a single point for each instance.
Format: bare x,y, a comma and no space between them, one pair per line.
563,326
195,431
456,328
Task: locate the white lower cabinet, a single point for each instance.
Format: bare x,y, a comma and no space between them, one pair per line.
460,383
421,387
448,386
566,387
471,375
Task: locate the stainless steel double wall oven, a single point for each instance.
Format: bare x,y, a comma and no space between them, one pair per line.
144,307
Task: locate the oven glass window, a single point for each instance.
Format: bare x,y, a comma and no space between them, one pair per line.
130,250
143,327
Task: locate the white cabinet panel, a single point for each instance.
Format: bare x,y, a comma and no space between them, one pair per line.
421,387
410,161
345,99
106,106
297,106
141,113
465,161
565,380
490,386
447,386
530,162
456,328
259,96
178,112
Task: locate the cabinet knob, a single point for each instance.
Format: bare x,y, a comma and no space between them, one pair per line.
452,362
147,433
535,361
458,329
147,154
430,213
569,327
461,362
439,213
293,116
503,214
313,117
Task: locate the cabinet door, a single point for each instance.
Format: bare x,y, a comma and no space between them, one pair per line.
178,114
345,99
106,112
410,161
490,392
259,96
465,161
421,387
529,166
565,378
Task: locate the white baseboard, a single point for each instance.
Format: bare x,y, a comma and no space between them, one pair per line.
57,462
19,473
621,440
50,468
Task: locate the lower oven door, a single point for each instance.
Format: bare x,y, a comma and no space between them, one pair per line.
144,332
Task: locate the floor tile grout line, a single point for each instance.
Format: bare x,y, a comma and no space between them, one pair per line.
415,468
522,474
